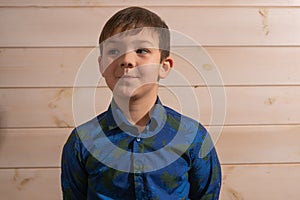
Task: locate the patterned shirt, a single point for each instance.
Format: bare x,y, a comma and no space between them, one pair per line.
173,158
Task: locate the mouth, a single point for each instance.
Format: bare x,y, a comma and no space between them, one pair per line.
128,77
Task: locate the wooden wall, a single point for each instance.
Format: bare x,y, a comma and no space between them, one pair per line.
255,45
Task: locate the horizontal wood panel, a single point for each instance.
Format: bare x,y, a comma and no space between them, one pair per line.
40,67
52,107
261,182
275,182
58,67
235,145
151,3
259,144
30,184
32,147
54,27
254,45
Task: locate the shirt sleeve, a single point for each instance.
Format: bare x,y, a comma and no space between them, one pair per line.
205,173
73,174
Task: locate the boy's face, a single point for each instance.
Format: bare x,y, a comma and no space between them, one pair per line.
131,66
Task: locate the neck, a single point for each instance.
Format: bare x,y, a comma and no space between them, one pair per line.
136,110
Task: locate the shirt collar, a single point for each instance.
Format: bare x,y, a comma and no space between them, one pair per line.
116,119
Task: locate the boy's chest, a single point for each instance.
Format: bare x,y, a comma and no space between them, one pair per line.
169,180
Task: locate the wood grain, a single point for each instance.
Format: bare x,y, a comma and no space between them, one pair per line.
150,3
27,148
262,182
246,26
30,183
52,107
235,145
259,144
254,45
243,66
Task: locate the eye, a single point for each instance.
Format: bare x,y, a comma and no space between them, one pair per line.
142,51
113,52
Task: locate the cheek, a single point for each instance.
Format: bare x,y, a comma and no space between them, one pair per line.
150,73
110,81
107,64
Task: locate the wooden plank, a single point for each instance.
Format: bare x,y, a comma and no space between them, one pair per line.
259,182
236,145
262,105
214,26
150,3
47,108
253,66
52,107
58,67
40,67
236,66
41,147
30,184
259,144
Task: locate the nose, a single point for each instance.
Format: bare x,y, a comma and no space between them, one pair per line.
127,60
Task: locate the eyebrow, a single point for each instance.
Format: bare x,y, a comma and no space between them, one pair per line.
143,41
135,42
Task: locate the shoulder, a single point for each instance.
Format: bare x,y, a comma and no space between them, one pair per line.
84,132
89,128
183,121
189,131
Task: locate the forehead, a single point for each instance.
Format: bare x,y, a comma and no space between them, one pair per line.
145,36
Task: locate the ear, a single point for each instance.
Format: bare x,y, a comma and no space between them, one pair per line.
165,67
101,67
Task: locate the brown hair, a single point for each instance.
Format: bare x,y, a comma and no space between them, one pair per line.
137,18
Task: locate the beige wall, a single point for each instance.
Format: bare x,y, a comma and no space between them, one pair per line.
254,44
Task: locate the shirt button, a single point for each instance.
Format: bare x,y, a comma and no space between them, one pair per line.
138,139
138,166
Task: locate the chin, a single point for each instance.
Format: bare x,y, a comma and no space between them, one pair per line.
132,93
124,93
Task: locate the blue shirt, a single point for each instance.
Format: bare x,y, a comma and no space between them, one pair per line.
173,158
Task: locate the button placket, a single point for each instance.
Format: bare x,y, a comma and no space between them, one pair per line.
138,166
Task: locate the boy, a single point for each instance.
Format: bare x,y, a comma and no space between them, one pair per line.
138,148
